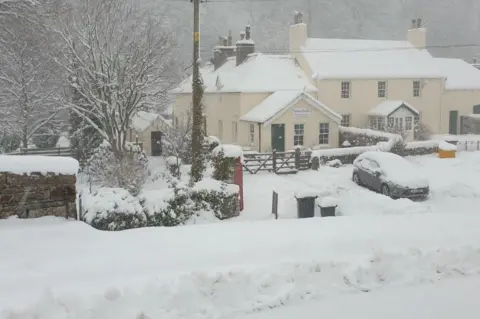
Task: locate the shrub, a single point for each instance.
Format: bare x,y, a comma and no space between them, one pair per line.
113,209
354,137
9,143
422,132
216,196
46,137
130,171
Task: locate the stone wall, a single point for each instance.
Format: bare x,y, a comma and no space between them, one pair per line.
37,195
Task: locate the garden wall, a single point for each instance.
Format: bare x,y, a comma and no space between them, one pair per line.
29,193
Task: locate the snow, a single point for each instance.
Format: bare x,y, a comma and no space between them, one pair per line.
245,41
210,184
386,108
454,138
27,164
142,120
397,169
334,163
259,73
447,299
368,132
329,202
106,201
229,150
459,74
445,146
277,103
421,144
69,270
213,140
346,144
372,59
343,151
63,141
172,160
306,193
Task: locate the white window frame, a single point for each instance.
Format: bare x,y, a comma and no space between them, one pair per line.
382,89
234,132
298,134
220,129
409,123
345,89
417,88
373,122
251,133
399,123
346,120
324,134
390,122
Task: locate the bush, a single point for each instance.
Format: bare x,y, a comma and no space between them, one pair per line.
46,137
129,172
216,196
113,209
422,132
353,137
9,143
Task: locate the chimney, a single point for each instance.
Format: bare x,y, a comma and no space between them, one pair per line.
298,33
474,60
222,51
417,35
245,45
230,39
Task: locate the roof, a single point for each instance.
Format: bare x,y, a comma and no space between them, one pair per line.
142,120
259,73
345,58
388,107
459,74
277,103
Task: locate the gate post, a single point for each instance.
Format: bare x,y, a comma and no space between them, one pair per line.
238,179
297,158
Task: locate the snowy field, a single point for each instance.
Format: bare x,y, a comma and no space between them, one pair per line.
454,187
254,267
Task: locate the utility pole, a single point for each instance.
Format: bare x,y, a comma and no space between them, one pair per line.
198,164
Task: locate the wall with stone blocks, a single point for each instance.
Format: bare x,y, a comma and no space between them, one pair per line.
37,195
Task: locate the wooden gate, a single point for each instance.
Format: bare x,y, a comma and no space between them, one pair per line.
277,162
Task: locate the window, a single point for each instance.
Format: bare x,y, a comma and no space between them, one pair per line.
345,90
345,120
234,132
220,129
416,88
298,133
382,89
252,133
416,120
381,123
374,122
324,133
391,122
399,123
408,123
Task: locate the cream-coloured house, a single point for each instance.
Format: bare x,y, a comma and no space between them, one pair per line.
147,129
280,101
259,101
353,77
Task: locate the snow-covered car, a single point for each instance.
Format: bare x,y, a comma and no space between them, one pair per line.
390,174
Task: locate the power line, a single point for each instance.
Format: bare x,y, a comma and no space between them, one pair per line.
312,51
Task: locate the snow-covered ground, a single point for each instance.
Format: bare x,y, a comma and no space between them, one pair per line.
454,187
449,299
51,268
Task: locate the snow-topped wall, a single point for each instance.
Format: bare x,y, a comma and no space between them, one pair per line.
36,186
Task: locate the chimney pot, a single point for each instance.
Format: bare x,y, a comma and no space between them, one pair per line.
419,22
230,39
225,42
242,35
474,60
247,32
414,23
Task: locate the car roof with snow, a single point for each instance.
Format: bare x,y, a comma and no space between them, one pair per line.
387,160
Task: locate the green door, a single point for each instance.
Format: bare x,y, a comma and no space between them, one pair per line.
453,123
278,137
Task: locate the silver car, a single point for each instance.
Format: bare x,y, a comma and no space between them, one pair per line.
390,174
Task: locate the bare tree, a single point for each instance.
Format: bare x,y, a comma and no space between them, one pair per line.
178,141
29,88
119,62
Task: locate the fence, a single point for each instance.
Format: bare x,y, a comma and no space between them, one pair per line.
277,162
468,146
57,151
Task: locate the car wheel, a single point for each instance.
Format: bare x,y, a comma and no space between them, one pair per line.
356,179
385,190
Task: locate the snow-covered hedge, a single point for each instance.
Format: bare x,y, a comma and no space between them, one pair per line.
363,137
418,148
218,197
113,209
117,209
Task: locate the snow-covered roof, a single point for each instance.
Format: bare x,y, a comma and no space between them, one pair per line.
351,59
279,102
388,107
27,164
459,74
142,120
258,73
